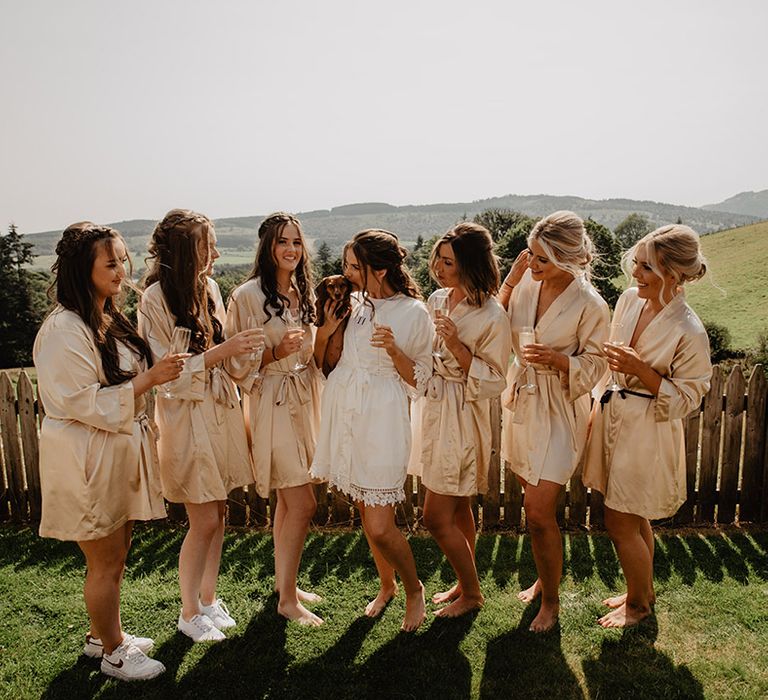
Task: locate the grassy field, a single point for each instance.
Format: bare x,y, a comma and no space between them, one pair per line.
709,637
739,264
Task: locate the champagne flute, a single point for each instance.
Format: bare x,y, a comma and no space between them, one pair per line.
616,341
294,320
527,336
440,309
178,346
254,323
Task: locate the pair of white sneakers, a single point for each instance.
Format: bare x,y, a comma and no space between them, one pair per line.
129,661
206,626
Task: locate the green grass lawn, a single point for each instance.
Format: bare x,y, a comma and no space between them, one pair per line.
709,637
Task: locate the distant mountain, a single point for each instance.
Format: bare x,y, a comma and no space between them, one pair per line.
340,223
751,203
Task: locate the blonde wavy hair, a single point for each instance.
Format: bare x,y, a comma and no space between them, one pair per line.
565,241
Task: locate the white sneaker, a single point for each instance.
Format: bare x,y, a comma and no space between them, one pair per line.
218,614
200,629
94,648
129,663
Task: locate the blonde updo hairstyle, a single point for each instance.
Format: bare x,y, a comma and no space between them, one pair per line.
671,250
565,241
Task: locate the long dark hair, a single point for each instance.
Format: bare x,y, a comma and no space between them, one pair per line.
73,289
265,268
476,264
178,260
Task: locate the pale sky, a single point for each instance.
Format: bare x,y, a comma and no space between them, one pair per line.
121,110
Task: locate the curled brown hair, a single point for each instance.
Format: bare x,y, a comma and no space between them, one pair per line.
265,267
476,264
73,289
178,260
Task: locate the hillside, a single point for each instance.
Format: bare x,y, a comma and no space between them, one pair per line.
738,262
237,234
751,203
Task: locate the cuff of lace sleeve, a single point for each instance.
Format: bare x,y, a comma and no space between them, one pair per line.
421,374
663,400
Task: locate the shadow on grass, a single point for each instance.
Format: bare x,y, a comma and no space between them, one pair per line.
631,667
520,664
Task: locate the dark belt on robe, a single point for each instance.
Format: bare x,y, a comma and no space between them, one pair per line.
606,397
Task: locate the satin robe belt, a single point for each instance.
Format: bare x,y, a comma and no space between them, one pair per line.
436,387
359,380
294,381
153,458
523,403
223,389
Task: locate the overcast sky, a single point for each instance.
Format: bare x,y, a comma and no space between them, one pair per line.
122,110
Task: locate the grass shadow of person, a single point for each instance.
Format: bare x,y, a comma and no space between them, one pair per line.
419,665
81,680
631,667
521,664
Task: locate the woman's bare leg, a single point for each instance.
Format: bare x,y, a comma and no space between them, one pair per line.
440,519
540,503
387,582
105,560
298,505
646,532
465,521
200,555
629,533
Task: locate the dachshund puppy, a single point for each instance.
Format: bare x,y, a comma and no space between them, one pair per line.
337,288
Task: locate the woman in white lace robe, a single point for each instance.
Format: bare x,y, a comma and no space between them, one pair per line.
365,438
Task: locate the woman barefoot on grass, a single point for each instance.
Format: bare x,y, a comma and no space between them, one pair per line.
282,403
548,396
635,454
365,436
98,464
469,366
203,447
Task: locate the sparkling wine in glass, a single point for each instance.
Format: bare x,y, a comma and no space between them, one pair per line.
616,340
527,336
178,346
295,321
254,323
439,309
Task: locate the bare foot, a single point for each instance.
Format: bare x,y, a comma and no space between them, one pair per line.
530,594
415,610
307,596
624,616
298,613
545,620
447,596
463,604
375,607
618,600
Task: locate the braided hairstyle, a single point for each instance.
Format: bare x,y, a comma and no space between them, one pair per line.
265,267
73,289
178,259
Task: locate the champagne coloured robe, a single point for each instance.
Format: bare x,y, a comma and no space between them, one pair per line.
282,405
636,451
202,445
365,431
544,433
454,440
98,462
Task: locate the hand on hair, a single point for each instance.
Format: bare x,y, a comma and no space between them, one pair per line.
540,354
518,269
167,369
624,359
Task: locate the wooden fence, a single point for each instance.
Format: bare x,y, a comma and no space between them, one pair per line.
726,456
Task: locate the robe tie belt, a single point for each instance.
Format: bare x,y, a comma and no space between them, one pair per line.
295,381
606,397
436,387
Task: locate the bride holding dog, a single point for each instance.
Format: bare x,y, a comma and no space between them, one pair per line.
281,388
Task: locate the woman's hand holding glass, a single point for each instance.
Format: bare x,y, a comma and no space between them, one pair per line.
179,345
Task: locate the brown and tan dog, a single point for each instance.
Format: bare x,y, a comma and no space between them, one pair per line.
335,288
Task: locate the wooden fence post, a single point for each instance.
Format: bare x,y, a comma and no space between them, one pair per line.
30,445
710,448
684,516
733,423
752,483
492,498
14,469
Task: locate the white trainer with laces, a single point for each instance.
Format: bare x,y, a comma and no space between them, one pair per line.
200,629
129,663
94,648
218,613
